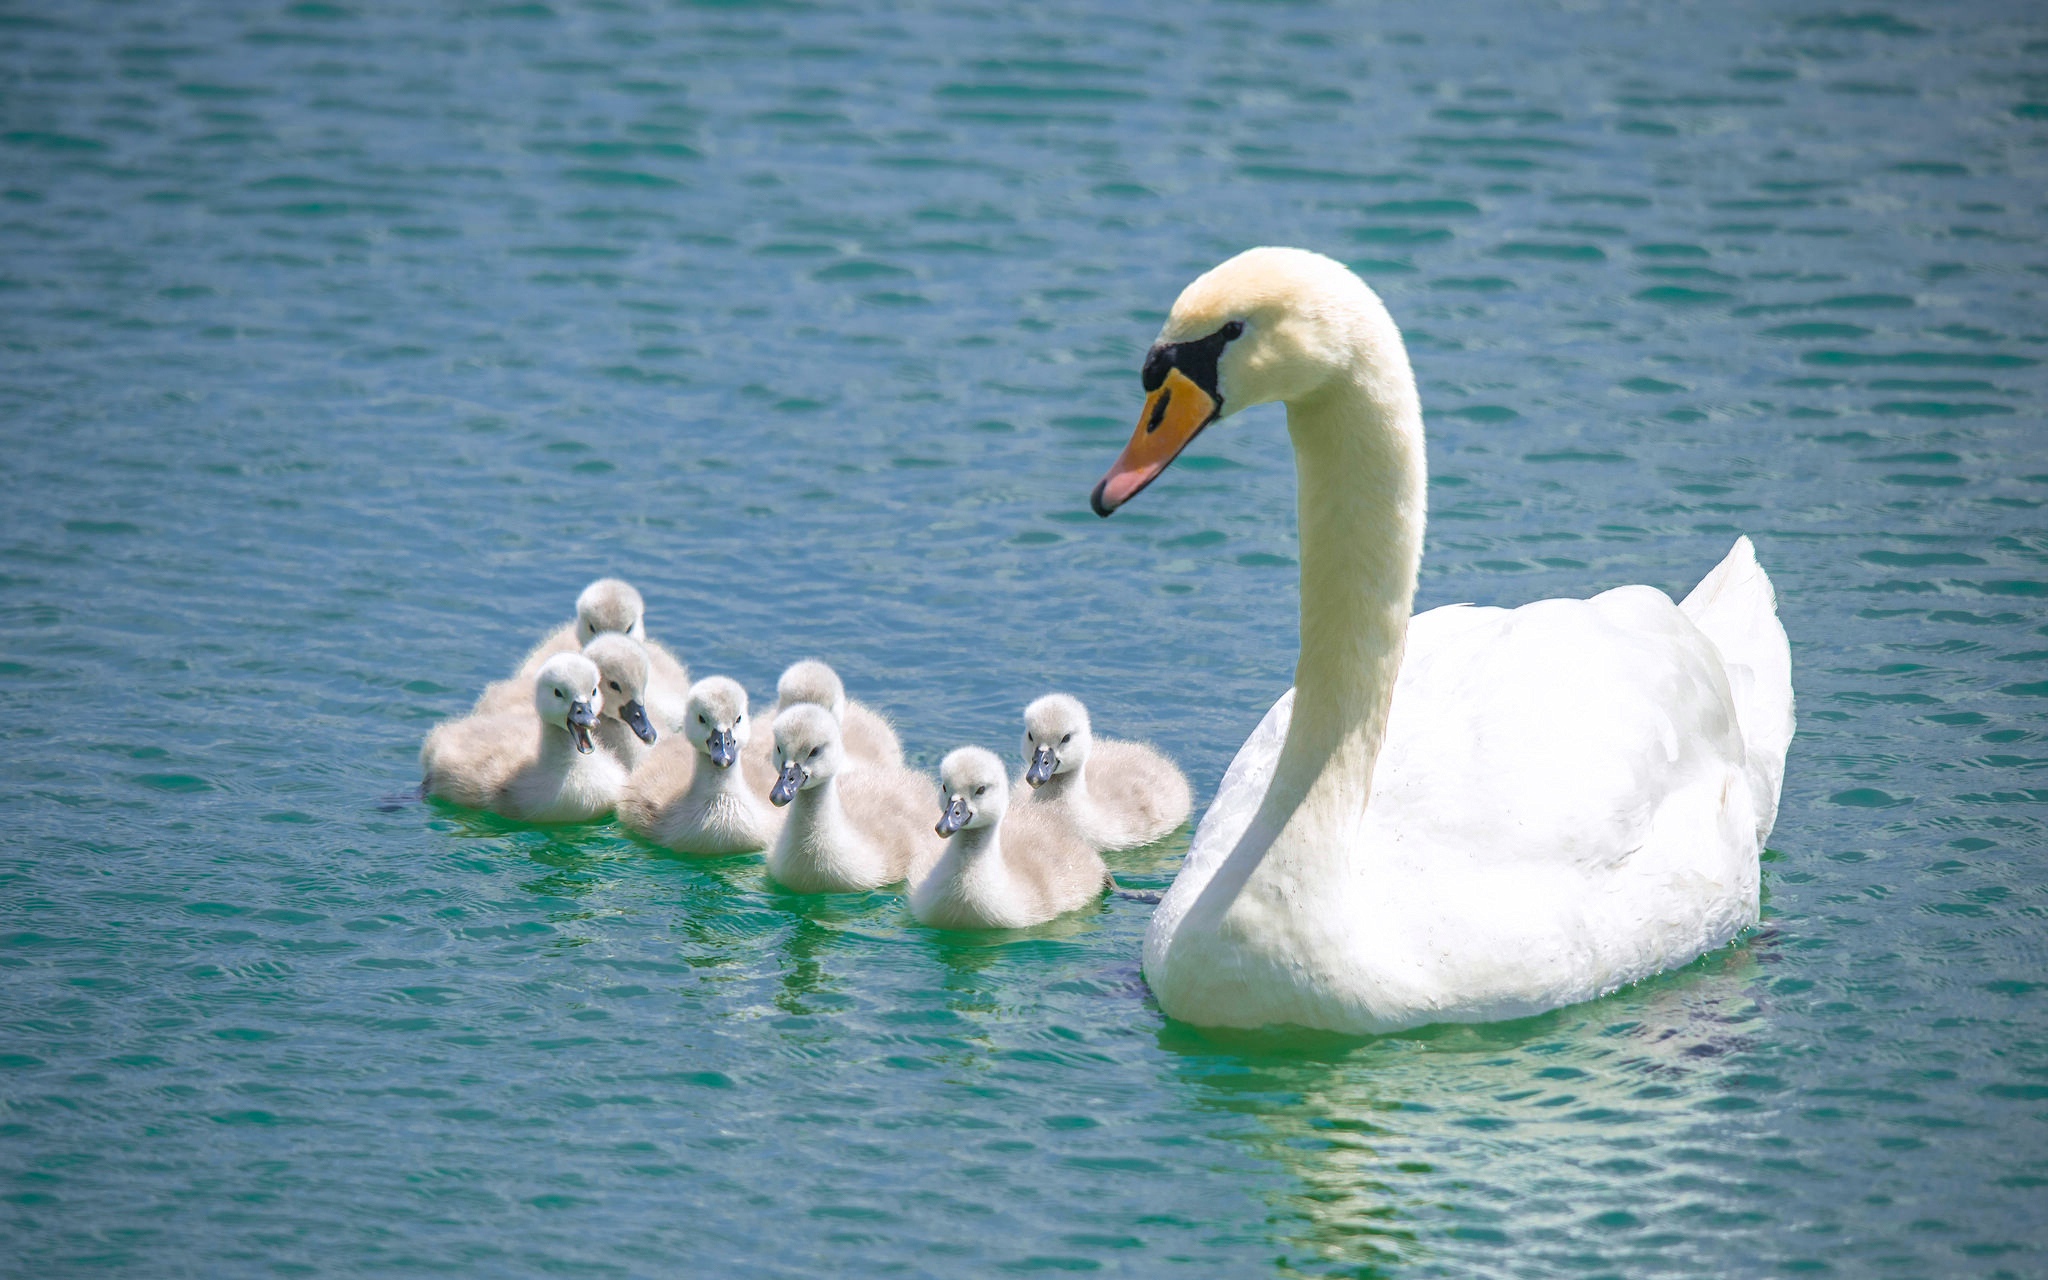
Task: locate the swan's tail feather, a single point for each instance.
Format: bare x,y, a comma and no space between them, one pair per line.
1737,608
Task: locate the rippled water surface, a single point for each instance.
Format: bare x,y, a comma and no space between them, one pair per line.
341,343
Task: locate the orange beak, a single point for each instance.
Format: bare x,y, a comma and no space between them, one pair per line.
1173,415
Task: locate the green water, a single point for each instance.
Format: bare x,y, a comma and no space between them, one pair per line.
340,344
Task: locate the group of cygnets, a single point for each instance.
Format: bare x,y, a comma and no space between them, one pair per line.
599,718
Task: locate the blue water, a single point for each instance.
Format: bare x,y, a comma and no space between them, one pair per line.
340,344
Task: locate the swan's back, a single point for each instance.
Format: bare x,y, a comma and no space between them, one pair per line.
471,760
894,806
1737,608
662,776
1138,791
1060,870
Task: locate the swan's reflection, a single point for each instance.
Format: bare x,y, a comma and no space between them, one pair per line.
1442,1139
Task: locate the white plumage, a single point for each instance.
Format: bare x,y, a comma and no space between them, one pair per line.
1002,868
1475,813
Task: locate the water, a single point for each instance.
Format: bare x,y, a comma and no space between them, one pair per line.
344,342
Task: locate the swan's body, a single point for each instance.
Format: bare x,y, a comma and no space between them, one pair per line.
607,605
1001,872
687,795
866,735
848,828
1114,795
532,765
1470,815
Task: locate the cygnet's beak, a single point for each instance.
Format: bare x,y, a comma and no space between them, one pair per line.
1043,762
785,788
1175,412
635,717
581,720
722,748
954,816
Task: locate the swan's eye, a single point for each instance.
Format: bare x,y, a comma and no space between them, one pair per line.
558,693
615,686
1232,330
702,720
1065,739
980,790
814,753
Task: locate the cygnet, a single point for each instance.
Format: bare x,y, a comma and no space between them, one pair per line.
848,829
1115,795
687,796
532,766
868,737
998,873
622,673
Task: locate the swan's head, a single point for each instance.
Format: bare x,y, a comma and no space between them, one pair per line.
610,604
566,694
1270,324
718,719
622,678
1056,737
807,750
974,788
813,682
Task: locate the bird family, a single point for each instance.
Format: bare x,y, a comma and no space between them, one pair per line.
601,718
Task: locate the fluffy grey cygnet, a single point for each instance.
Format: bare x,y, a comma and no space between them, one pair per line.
1115,795
687,795
848,828
999,873
613,605
535,765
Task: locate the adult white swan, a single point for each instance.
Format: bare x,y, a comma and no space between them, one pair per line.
1568,796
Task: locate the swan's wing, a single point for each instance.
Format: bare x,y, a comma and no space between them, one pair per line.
1737,608
1238,795
1552,734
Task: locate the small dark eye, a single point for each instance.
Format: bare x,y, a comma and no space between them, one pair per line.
980,790
814,753
1066,738
615,686
1233,329
558,693
702,720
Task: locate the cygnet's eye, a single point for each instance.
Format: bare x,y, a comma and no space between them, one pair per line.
980,789
702,720
615,686
814,753
558,693
1064,740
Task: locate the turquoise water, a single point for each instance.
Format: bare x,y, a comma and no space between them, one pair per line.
340,344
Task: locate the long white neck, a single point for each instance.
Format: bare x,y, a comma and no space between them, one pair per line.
557,746
1362,478
816,818
708,782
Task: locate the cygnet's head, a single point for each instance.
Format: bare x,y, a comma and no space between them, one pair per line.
1269,324
718,722
807,750
565,693
813,682
974,790
1056,737
610,604
622,676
